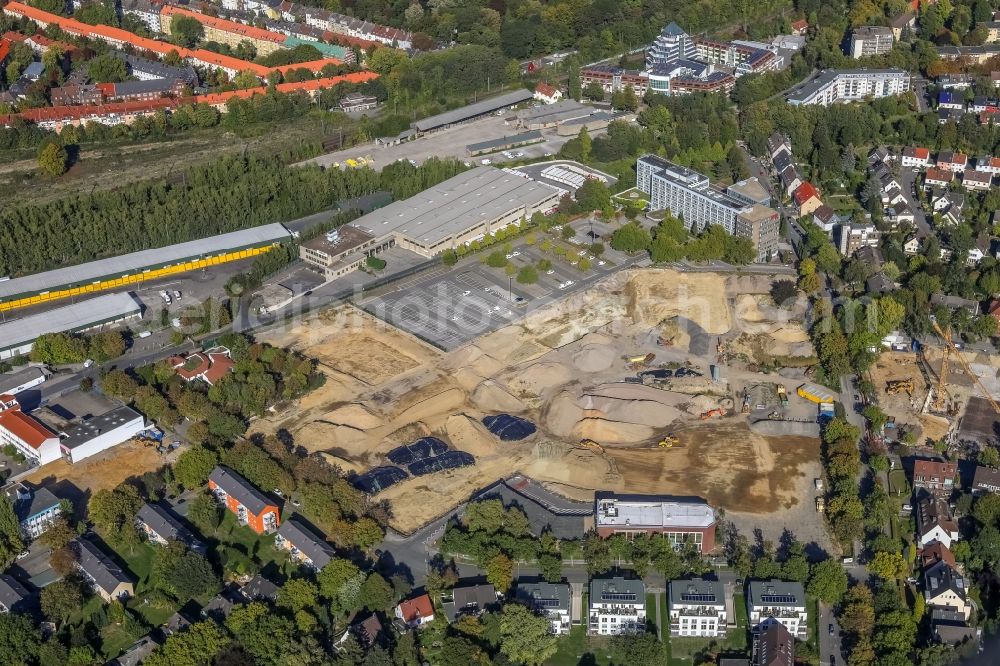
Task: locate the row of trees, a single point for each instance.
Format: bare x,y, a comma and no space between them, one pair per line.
671,242
63,348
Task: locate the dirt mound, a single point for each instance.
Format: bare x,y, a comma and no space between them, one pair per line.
324,436
343,463
612,432
594,358
469,435
492,397
354,415
652,296
575,466
446,402
538,377
563,414
638,412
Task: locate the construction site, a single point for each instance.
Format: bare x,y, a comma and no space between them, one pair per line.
938,392
648,382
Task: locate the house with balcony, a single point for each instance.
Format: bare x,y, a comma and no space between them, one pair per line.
250,506
161,526
106,578
697,608
617,606
303,545
36,508
780,601
549,599
935,476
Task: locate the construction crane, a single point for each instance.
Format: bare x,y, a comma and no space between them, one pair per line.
939,398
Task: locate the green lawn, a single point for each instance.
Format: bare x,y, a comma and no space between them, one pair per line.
897,483
577,647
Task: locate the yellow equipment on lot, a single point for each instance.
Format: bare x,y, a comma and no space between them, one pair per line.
894,386
669,441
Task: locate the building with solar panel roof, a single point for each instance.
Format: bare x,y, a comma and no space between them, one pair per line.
549,599
778,601
697,608
617,606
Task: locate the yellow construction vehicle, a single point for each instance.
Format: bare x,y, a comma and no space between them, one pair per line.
894,386
592,445
669,442
940,402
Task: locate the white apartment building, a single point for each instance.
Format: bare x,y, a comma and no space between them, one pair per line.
617,606
780,601
851,85
689,194
549,599
697,608
870,40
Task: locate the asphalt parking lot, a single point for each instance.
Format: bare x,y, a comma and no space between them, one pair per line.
449,143
449,309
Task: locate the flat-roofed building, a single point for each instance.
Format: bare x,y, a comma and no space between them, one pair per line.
750,191
459,210
22,380
781,601
617,606
870,40
101,432
472,111
681,521
697,608
850,85
549,599
341,250
690,195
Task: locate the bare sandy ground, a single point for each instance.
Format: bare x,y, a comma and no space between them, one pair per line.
563,368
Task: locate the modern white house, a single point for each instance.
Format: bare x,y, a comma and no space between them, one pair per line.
549,599
697,608
781,601
617,606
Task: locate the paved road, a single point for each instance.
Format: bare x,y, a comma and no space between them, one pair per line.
829,643
907,181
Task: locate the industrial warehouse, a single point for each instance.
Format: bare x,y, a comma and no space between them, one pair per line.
459,210
18,336
129,269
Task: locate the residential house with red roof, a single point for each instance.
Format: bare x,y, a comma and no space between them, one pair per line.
915,157
934,476
209,365
547,94
934,553
807,199
799,27
415,612
952,161
28,435
938,178
935,522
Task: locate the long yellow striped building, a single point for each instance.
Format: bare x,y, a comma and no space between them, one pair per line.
130,269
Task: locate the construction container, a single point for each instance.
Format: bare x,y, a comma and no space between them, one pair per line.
816,393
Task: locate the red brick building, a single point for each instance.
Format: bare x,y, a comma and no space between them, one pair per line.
251,507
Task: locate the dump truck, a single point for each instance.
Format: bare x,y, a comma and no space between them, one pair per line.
783,395
592,445
894,386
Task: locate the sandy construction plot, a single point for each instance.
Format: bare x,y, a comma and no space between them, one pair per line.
562,367
105,470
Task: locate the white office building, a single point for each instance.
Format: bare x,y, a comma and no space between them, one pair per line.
778,601
617,606
851,85
697,608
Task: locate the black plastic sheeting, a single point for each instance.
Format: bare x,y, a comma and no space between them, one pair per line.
657,374
447,460
509,428
423,448
378,479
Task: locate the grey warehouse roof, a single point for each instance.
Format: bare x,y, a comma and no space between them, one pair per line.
99,566
9,382
307,541
76,317
135,262
240,488
533,135
83,432
473,110
455,206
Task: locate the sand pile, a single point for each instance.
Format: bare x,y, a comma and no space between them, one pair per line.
490,396
653,296
573,466
537,377
343,463
323,436
354,415
594,358
445,402
469,435
612,413
612,432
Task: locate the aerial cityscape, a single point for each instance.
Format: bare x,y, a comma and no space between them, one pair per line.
513,333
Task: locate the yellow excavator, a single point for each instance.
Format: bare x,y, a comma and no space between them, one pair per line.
894,386
940,403
669,442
